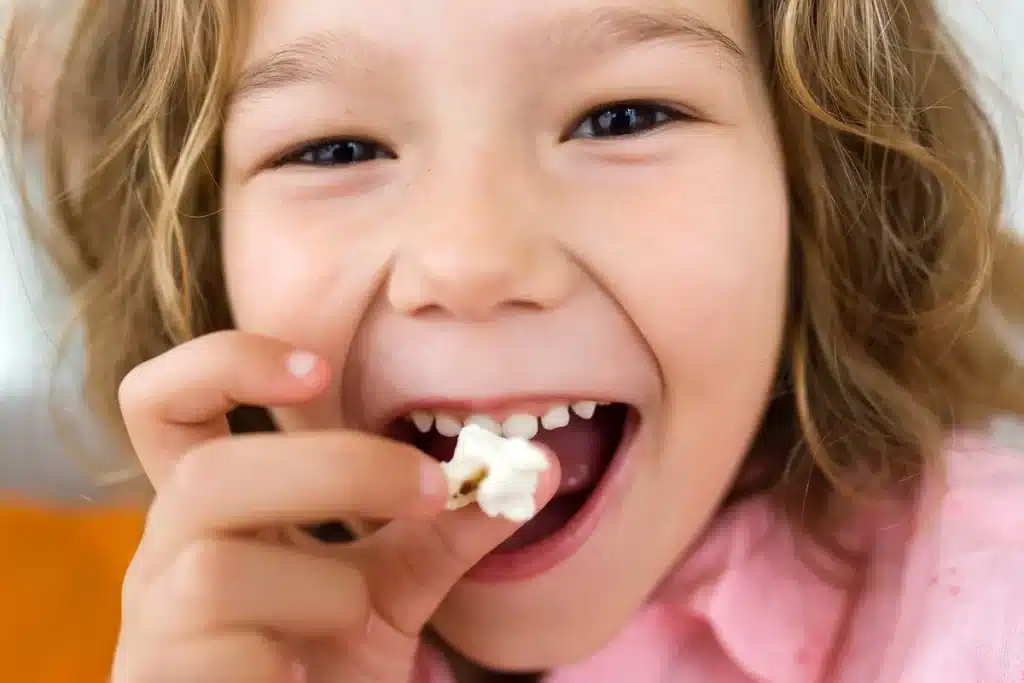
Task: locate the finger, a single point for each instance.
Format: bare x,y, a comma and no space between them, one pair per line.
238,585
411,565
238,657
180,399
243,484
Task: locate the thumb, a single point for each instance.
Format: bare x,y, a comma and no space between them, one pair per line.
412,564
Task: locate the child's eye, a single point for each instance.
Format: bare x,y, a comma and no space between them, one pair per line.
624,118
339,152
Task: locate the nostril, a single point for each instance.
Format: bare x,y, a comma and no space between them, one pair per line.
430,311
524,305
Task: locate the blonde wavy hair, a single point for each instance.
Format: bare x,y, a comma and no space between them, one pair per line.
902,271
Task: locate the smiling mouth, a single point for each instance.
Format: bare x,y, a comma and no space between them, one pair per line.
584,435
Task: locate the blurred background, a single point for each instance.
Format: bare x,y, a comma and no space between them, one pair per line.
59,591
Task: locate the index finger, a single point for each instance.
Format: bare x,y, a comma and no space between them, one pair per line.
179,400
241,485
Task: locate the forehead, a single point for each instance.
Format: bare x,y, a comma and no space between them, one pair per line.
293,40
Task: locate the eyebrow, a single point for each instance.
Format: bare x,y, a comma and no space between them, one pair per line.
617,28
310,59
317,57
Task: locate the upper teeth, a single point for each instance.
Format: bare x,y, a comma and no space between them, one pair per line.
515,426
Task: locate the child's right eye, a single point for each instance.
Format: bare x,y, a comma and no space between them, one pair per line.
337,152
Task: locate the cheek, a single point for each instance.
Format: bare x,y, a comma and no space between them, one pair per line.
706,280
292,272
293,275
272,283
716,310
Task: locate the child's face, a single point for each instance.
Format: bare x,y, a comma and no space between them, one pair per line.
501,207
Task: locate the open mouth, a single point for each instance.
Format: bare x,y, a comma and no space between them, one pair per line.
585,435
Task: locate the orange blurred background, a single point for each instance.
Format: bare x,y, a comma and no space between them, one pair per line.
60,589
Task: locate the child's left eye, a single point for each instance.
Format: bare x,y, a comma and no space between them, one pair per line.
338,152
624,119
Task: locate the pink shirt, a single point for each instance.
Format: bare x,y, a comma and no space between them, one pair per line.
942,600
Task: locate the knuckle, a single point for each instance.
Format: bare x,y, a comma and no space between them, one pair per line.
133,393
225,340
435,557
196,472
132,584
201,577
161,515
237,345
409,557
451,551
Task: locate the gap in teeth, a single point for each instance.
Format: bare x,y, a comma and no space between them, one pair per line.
515,426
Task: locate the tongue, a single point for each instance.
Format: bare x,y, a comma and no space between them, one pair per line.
580,447
583,448
550,519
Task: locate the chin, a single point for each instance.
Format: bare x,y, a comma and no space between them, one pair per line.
571,610
521,644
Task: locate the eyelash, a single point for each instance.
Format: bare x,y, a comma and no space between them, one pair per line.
356,151
609,121
643,115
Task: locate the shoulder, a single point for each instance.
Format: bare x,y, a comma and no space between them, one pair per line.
977,496
963,579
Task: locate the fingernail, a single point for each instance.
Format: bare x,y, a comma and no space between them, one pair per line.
301,364
432,480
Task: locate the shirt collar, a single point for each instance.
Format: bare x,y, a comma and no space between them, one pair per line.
764,592
761,589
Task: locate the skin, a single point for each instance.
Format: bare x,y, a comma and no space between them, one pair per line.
492,254
217,591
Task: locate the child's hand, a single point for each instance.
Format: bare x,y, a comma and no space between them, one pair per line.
210,598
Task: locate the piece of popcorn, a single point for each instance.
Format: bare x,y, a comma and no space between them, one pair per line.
500,475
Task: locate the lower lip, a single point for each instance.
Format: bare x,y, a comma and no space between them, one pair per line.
536,559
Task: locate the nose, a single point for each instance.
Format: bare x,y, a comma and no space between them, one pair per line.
476,255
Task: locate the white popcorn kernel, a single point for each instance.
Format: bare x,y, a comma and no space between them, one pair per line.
498,474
